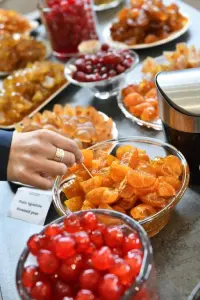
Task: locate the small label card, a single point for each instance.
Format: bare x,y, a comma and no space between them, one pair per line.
30,205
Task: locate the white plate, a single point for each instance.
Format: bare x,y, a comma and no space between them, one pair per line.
105,6
108,39
48,54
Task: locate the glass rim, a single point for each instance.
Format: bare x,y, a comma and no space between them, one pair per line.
194,292
174,200
104,82
147,262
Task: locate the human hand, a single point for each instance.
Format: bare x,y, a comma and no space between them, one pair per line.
31,159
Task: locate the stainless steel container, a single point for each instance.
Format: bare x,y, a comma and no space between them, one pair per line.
179,105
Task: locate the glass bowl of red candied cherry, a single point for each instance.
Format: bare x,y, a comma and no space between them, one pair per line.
88,255
102,72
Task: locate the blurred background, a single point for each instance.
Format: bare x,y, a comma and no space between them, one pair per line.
26,6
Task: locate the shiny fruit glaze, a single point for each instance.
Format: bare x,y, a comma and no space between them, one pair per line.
104,64
69,22
83,259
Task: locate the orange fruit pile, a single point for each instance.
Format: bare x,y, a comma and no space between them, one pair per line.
129,182
141,100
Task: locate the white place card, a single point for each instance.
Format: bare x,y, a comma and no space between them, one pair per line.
30,205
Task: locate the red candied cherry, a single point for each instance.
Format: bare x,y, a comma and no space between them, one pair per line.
88,69
48,262
70,268
112,73
68,298
85,295
114,237
62,289
103,70
89,279
101,227
41,290
122,270
105,47
102,259
110,287
91,248
90,78
112,59
82,241
117,252
52,230
134,258
80,63
80,76
33,244
65,247
30,276
72,224
132,241
120,69
128,62
97,238
89,221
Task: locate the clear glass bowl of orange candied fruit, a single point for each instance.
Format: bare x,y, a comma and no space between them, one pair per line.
141,177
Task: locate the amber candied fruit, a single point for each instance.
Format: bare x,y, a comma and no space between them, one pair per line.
139,187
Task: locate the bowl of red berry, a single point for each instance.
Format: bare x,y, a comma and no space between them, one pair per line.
102,72
88,255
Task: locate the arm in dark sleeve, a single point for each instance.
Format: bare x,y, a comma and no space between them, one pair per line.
5,143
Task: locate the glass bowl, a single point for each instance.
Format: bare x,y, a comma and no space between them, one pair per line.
153,147
145,284
107,5
195,295
105,88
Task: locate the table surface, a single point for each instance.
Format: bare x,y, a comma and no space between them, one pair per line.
176,247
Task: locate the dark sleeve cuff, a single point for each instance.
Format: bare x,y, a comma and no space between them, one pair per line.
5,143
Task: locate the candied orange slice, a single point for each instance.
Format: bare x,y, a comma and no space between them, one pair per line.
110,196
133,99
118,172
123,149
140,179
75,168
127,203
87,205
130,159
82,175
143,156
72,188
110,159
91,183
107,181
130,89
142,211
175,164
88,157
149,114
95,196
138,109
127,191
166,190
151,93
105,206
154,200
147,190
146,167
119,208
173,181
74,203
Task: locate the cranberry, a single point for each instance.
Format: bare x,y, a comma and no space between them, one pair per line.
30,276
134,259
72,224
85,295
48,262
102,259
82,241
120,69
65,247
89,221
89,279
131,241
52,230
41,290
110,287
97,238
105,47
61,289
122,270
33,244
112,73
114,237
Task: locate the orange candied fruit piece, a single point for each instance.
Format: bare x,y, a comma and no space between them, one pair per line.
110,159
105,206
140,179
144,191
123,149
95,196
166,190
88,156
173,181
87,205
142,211
175,164
146,167
130,89
91,183
133,99
74,203
82,175
127,203
110,196
118,172
119,209
154,200
131,158
137,110
72,188
149,114
127,191
143,155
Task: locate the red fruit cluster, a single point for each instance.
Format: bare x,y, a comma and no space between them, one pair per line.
105,64
69,23
82,259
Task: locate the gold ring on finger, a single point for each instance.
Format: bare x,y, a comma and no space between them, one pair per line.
59,156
